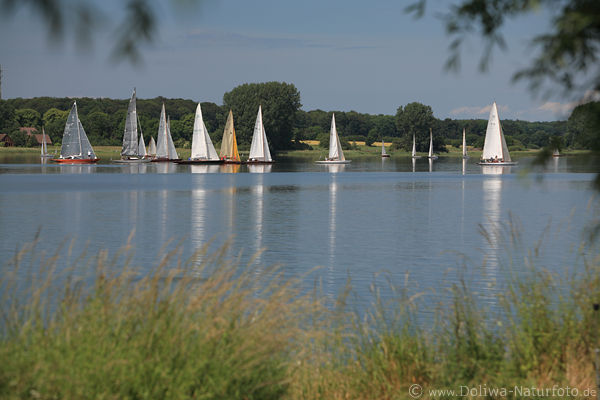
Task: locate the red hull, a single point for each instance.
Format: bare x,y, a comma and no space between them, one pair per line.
76,161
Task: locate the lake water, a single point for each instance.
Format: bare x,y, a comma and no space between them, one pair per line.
420,220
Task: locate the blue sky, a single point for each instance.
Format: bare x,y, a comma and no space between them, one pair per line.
366,56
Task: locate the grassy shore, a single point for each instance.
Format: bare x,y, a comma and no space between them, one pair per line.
208,328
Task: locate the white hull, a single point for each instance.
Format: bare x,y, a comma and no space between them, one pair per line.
334,162
500,164
133,161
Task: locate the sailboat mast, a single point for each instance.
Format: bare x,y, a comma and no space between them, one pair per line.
78,131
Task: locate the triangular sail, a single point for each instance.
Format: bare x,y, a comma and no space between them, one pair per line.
414,149
430,143
464,144
162,150
383,153
152,147
335,147
202,146
494,147
75,143
172,151
229,150
44,150
259,149
142,146
130,136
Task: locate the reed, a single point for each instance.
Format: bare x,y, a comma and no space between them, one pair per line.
208,327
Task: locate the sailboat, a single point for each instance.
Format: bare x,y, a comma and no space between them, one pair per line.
141,145
76,147
229,150
414,148
495,151
383,153
44,150
259,149
336,154
464,145
556,153
152,148
130,150
165,149
203,151
430,155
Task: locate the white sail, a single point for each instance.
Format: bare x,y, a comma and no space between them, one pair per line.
259,149
171,147
494,147
335,148
162,150
130,136
75,143
44,149
202,146
152,147
414,149
464,144
383,153
430,155
142,146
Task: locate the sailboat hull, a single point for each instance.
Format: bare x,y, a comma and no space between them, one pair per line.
75,160
258,162
385,156
498,163
132,161
334,162
166,159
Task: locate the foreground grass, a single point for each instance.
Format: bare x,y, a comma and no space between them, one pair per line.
210,328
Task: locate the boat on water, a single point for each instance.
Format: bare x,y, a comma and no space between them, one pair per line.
556,153
414,149
76,147
259,149
464,145
44,150
165,149
229,149
141,145
430,155
130,152
336,154
203,151
495,151
383,153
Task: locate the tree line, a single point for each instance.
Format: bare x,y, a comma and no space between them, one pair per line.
285,122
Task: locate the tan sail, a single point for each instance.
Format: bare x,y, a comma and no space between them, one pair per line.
229,149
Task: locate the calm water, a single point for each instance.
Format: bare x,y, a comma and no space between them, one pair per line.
355,220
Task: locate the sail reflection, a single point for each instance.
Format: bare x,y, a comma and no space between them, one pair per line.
204,168
414,164
464,166
335,168
495,169
258,195
259,168
198,217
165,167
492,188
332,235
430,164
230,168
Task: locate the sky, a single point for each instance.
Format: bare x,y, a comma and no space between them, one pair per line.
342,55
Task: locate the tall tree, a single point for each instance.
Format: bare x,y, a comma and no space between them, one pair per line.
415,119
280,102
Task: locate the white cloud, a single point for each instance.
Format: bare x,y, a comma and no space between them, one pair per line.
470,111
563,110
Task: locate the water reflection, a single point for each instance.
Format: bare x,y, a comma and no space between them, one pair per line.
332,234
258,195
198,217
491,220
430,164
335,168
495,169
259,168
77,169
204,168
414,164
230,168
165,167
464,167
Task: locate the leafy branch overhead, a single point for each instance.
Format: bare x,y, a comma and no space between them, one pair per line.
566,57
82,19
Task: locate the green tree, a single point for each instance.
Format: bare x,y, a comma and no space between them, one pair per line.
372,137
28,117
8,121
280,102
415,119
583,126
